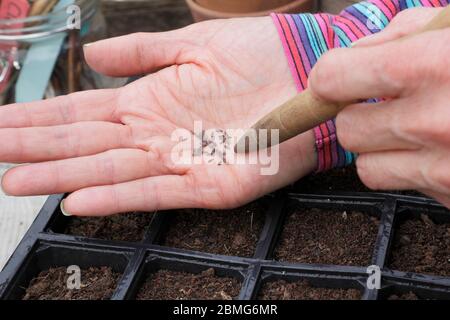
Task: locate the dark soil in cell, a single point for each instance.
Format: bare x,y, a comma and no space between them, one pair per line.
343,180
422,246
404,296
302,290
230,232
123,227
96,284
172,285
340,179
328,237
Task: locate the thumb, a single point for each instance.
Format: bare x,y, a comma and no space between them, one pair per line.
405,23
139,53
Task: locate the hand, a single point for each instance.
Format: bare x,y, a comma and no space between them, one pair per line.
404,141
111,148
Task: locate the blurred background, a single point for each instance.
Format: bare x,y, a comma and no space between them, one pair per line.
125,16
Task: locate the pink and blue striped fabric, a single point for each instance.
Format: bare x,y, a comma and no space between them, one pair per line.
306,37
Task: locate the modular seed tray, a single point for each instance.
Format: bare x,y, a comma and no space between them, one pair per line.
43,248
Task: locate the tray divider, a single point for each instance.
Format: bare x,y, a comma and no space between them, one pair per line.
272,227
382,244
130,277
251,282
385,233
157,227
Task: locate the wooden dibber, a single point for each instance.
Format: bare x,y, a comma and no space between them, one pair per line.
304,112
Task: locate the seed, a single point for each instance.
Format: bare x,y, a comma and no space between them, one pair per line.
426,219
404,240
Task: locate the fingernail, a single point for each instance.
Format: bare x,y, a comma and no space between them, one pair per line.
1,188
88,44
64,212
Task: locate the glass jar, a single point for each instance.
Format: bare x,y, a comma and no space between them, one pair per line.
41,47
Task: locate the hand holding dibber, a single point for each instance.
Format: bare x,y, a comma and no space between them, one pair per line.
305,111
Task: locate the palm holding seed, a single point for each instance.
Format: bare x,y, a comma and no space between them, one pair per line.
111,148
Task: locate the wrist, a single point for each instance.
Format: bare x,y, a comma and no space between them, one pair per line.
304,148
329,151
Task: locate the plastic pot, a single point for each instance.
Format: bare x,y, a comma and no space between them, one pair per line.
212,9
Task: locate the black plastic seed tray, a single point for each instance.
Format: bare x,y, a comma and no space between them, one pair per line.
43,248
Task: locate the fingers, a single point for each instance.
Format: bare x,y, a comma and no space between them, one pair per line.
140,53
404,23
150,194
373,72
407,170
64,176
94,105
391,170
363,128
61,142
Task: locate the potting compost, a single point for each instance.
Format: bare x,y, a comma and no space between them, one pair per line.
51,284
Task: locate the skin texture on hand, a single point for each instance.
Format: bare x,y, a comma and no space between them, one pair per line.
111,148
403,141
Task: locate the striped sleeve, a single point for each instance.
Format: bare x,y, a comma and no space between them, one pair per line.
306,37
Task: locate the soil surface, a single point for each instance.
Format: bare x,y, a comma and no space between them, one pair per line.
172,285
404,296
96,284
341,179
302,290
123,227
328,237
231,232
422,246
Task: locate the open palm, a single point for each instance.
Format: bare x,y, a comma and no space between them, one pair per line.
112,148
